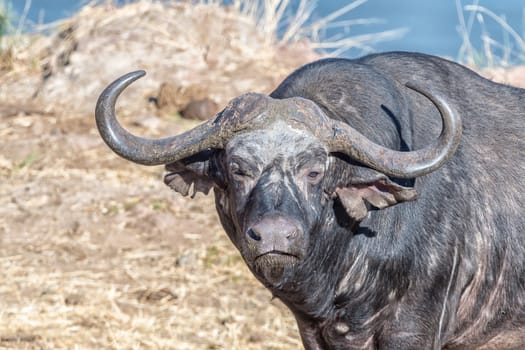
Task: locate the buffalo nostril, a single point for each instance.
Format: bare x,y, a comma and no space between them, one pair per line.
253,235
292,233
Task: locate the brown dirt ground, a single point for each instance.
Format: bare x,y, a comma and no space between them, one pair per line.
95,252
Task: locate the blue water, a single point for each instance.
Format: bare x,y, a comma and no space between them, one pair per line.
432,25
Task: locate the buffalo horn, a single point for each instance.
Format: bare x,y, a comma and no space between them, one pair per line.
343,138
411,164
149,151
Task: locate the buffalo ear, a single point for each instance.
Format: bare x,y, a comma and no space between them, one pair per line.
358,199
192,173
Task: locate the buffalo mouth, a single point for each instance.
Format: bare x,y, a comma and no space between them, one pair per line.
271,265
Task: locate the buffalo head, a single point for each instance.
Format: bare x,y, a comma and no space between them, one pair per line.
280,169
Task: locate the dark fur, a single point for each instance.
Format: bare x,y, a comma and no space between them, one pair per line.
446,271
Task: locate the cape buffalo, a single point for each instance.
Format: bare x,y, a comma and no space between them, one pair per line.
381,199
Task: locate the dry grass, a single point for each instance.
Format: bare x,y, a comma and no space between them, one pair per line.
283,25
180,43
97,253
503,50
12,40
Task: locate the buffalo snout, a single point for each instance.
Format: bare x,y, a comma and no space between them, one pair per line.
276,234
275,243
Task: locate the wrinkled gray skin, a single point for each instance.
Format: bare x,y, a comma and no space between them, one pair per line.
445,271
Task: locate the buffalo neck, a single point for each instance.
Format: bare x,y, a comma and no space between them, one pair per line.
344,267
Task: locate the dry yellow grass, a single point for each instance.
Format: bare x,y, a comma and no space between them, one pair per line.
177,42
97,253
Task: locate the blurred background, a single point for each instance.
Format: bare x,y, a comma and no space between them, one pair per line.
434,27
96,252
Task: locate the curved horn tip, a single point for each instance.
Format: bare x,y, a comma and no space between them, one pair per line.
137,74
148,151
113,90
128,78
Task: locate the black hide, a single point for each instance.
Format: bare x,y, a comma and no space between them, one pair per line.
445,271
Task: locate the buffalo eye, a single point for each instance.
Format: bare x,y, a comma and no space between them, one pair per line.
238,172
314,176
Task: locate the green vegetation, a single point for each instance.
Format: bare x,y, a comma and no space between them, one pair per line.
5,18
28,161
6,28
